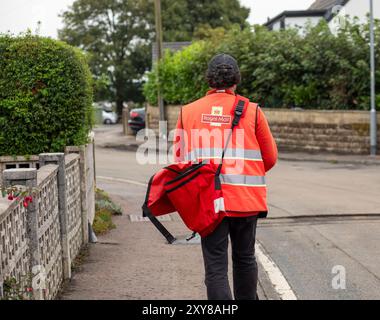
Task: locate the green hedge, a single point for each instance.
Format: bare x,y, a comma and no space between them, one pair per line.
315,70
181,74
45,95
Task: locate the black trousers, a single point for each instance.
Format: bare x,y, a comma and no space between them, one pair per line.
242,232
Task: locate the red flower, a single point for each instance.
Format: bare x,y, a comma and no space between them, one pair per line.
25,204
10,197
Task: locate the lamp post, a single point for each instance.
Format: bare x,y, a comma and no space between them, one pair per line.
157,11
373,126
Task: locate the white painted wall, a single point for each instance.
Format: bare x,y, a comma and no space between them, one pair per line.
276,26
357,8
353,8
294,22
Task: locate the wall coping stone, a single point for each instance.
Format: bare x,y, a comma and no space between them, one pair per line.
20,174
46,172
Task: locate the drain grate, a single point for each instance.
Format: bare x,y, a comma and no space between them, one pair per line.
139,218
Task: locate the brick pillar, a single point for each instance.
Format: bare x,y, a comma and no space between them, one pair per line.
59,159
28,178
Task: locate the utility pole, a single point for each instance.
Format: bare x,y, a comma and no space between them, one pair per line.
373,126
157,10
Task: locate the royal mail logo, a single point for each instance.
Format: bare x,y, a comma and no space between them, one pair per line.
216,118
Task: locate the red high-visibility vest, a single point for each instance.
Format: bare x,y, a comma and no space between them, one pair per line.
243,171
192,189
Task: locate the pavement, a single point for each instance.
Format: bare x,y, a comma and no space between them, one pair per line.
319,242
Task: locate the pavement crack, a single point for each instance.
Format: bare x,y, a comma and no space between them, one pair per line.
109,243
279,208
347,254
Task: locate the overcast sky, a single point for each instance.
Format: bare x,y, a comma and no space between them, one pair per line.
19,15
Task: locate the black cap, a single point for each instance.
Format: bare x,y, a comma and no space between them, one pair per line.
223,72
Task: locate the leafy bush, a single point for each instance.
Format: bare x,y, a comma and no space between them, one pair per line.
101,195
21,289
316,69
45,95
110,206
103,201
105,208
181,75
103,222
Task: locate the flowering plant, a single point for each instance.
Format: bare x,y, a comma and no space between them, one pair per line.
13,289
17,193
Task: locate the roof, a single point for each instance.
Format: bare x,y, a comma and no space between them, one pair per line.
323,4
298,13
320,8
326,4
172,46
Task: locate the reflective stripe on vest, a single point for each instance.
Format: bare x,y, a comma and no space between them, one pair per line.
214,153
243,180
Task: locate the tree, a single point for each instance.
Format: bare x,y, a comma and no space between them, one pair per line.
182,18
116,33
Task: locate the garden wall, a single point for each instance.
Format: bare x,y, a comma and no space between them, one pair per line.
41,242
343,132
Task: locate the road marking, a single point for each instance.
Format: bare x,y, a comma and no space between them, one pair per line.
123,180
275,275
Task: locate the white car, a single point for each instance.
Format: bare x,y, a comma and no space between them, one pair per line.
109,117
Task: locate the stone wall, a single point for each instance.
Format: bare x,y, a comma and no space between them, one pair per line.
14,248
345,132
87,166
42,240
152,117
9,162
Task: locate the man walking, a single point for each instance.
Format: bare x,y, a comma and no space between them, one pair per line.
242,178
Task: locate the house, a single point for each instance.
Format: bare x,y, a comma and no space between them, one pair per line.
330,10
172,46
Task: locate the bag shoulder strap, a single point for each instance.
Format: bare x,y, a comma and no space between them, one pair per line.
147,213
239,106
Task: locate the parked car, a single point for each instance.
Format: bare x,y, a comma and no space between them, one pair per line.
137,119
109,117
107,105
